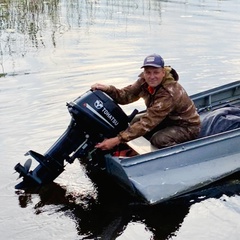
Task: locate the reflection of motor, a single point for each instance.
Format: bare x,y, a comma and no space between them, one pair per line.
95,116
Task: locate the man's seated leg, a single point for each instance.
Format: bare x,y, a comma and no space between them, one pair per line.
170,136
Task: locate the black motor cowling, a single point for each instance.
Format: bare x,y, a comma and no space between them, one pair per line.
95,116
97,111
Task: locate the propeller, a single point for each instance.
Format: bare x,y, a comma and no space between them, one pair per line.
28,164
23,170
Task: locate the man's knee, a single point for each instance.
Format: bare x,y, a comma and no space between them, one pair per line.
161,139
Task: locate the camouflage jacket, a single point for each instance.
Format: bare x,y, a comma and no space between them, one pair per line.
168,101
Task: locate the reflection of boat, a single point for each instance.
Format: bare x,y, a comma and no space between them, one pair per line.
151,175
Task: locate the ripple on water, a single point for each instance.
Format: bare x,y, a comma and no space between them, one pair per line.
212,215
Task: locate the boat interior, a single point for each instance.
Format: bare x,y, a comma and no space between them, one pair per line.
214,104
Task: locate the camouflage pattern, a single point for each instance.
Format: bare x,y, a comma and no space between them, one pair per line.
169,111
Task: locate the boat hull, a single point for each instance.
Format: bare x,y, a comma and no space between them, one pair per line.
173,171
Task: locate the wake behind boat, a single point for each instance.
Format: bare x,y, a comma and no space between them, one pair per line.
152,175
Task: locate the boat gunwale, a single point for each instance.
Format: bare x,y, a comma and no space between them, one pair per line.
215,90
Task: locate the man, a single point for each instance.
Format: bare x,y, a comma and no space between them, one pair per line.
170,117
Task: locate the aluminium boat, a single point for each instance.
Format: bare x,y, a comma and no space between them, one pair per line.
152,175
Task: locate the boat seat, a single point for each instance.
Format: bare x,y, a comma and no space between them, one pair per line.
141,145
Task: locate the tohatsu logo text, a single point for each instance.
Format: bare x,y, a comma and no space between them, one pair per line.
99,105
110,116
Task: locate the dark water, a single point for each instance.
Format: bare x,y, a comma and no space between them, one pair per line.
50,53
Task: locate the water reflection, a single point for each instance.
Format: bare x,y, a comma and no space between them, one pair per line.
25,24
32,23
30,26
108,216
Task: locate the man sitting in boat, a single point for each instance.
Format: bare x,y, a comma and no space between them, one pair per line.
170,117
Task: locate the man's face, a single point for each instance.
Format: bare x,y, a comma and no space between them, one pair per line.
153,75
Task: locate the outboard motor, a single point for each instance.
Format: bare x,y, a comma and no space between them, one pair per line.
95,116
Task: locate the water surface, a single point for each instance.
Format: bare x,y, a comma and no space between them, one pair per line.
50,53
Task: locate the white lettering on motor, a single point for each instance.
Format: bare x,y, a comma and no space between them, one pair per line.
110,116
